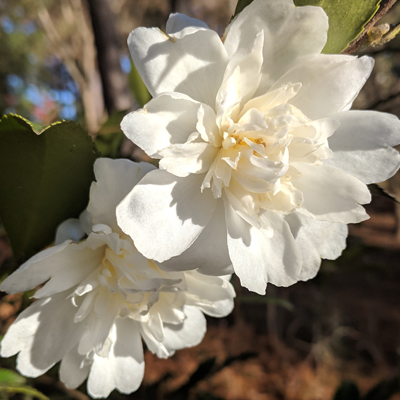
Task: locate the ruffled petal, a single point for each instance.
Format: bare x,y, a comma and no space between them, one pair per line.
330,83
166,120
242,76
63,266
188,334
332,195
213,295
165,214
362,145
177,22
189,158
192,61
74,370
209,252
42,334
316,240
123,368
290,33
262,255
114,180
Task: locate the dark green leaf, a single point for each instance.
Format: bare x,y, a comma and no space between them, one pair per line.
347,391
108,145
137,86
45,179
346,19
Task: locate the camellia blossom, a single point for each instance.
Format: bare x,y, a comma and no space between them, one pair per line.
262,164
102,297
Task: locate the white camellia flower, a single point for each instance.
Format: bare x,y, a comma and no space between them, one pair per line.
101,297
262,163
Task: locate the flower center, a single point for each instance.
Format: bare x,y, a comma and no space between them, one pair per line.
127,285
261,146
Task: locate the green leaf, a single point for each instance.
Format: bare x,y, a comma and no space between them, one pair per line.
255,299
7,376
26,390
113,123
110,137
45,179
347,391
346,19
137,86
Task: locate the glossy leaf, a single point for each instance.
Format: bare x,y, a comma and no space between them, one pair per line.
346,19
45,179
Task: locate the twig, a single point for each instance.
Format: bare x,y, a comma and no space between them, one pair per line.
74,394
383,9
383,101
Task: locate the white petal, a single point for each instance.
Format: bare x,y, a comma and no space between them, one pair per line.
329,83
43,334
63,266
316,240
165,214
242,75
189,158
192,61
332,195
177,22
73,370
123,369
362,145
213,295
114,180
290,33
209,252
98,327
267,254
71,229
167,119
188,334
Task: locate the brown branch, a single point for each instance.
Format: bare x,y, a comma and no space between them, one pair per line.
72,393
380,102
384,7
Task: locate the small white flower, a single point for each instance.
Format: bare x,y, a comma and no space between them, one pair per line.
101,297
262,164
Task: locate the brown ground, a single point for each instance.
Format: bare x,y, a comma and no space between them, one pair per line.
306,339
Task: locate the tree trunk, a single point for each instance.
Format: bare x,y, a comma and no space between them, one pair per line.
115,82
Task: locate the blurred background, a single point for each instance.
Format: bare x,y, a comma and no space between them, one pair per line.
69,60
